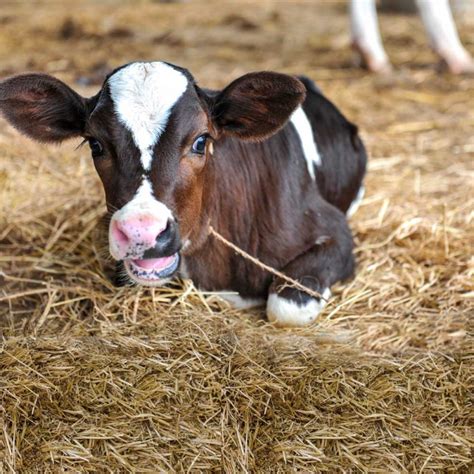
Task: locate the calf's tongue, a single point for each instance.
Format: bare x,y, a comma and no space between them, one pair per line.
154,263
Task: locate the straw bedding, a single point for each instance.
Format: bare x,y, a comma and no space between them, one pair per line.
99,379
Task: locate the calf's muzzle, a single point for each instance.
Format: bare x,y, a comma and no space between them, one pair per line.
143,236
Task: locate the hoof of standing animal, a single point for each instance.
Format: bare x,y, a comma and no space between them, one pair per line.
369,61
456,64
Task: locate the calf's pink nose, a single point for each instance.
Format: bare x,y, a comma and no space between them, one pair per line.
129,238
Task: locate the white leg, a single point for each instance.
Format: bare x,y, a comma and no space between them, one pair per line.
441,29
240,303
286,313
366,37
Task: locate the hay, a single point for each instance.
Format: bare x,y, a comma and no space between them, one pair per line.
99,379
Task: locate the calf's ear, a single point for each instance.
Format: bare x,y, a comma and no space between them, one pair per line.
257,105
42,107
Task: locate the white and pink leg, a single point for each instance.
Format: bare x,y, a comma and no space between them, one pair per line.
366,37
443,35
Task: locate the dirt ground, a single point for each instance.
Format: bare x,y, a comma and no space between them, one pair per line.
99,379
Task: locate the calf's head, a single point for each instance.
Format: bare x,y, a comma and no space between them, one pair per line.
151,131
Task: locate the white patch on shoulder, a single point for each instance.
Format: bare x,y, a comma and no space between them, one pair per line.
284,312
143,203
240,303
144,95
356,202
305,132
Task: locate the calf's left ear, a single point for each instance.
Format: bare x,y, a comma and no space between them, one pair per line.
42,107
257,105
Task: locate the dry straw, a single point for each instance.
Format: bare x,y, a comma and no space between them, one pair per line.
99,379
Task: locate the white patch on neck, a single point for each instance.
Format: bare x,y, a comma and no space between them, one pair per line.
305,132
144,95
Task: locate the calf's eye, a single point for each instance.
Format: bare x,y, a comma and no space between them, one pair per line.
96,147
199,145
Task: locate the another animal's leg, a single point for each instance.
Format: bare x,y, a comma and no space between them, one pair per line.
441,29
329,261
366,37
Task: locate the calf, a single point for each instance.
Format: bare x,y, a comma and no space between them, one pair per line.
268,161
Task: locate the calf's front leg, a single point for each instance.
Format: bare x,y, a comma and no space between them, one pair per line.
329,261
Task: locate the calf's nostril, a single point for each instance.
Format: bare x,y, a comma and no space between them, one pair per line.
166,243
122,236
141,234
164,232
119,235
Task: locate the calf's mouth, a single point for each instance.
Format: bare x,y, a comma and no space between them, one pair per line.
152,271
147,260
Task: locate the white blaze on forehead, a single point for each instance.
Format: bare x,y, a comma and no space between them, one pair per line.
305,133
144,95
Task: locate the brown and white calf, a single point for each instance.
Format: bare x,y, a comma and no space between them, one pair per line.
268,161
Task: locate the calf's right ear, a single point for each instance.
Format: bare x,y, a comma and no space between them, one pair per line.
42,107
